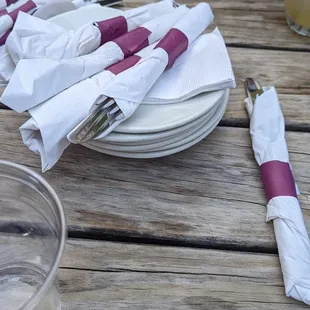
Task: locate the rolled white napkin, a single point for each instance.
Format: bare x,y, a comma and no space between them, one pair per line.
36,80
9,16
130,87
45,133
267,128
35,38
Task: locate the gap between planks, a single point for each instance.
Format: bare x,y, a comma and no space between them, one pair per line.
107,275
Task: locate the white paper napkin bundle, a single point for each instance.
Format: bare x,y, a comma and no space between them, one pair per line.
130,87
35,38
36,80
46,131
267,128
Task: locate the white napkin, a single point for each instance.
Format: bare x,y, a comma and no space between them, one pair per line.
36,80
7,66
45,133
267,128
204,67
130,87
35,38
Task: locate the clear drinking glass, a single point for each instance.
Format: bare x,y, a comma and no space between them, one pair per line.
298,16
32,240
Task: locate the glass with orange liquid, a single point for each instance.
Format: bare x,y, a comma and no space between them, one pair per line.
298,15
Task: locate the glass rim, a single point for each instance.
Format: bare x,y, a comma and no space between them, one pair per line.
51,275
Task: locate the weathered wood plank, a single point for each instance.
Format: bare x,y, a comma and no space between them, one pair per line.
209,195
250,23
151,277
285,70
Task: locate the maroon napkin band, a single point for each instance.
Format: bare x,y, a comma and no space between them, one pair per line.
3,12
175,42
112,28
9,2
133,41
26,7
278,179
124,64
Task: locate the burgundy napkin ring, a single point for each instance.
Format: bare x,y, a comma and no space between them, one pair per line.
174,43
278,179
112,28
26,7
124,64
133,41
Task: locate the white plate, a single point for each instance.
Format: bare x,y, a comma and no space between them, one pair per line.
168,141
141,139
203,133
156,118
88,14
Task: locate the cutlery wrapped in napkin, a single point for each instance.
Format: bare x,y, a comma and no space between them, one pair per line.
130,87
36,38
267,128
46,132
36,80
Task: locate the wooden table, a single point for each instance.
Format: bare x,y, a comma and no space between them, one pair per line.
186,231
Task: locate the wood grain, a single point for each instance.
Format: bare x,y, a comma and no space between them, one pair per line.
209,195
282,69
134,276
250,23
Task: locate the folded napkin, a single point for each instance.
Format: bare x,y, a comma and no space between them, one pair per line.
36,80
35,38
7,66
45,133
204,67
130,87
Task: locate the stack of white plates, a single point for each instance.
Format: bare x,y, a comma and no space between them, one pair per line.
154,130
161,130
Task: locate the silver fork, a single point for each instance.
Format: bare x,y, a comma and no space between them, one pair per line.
96,121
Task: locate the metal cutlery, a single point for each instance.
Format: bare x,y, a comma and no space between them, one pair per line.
253,89
103,114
